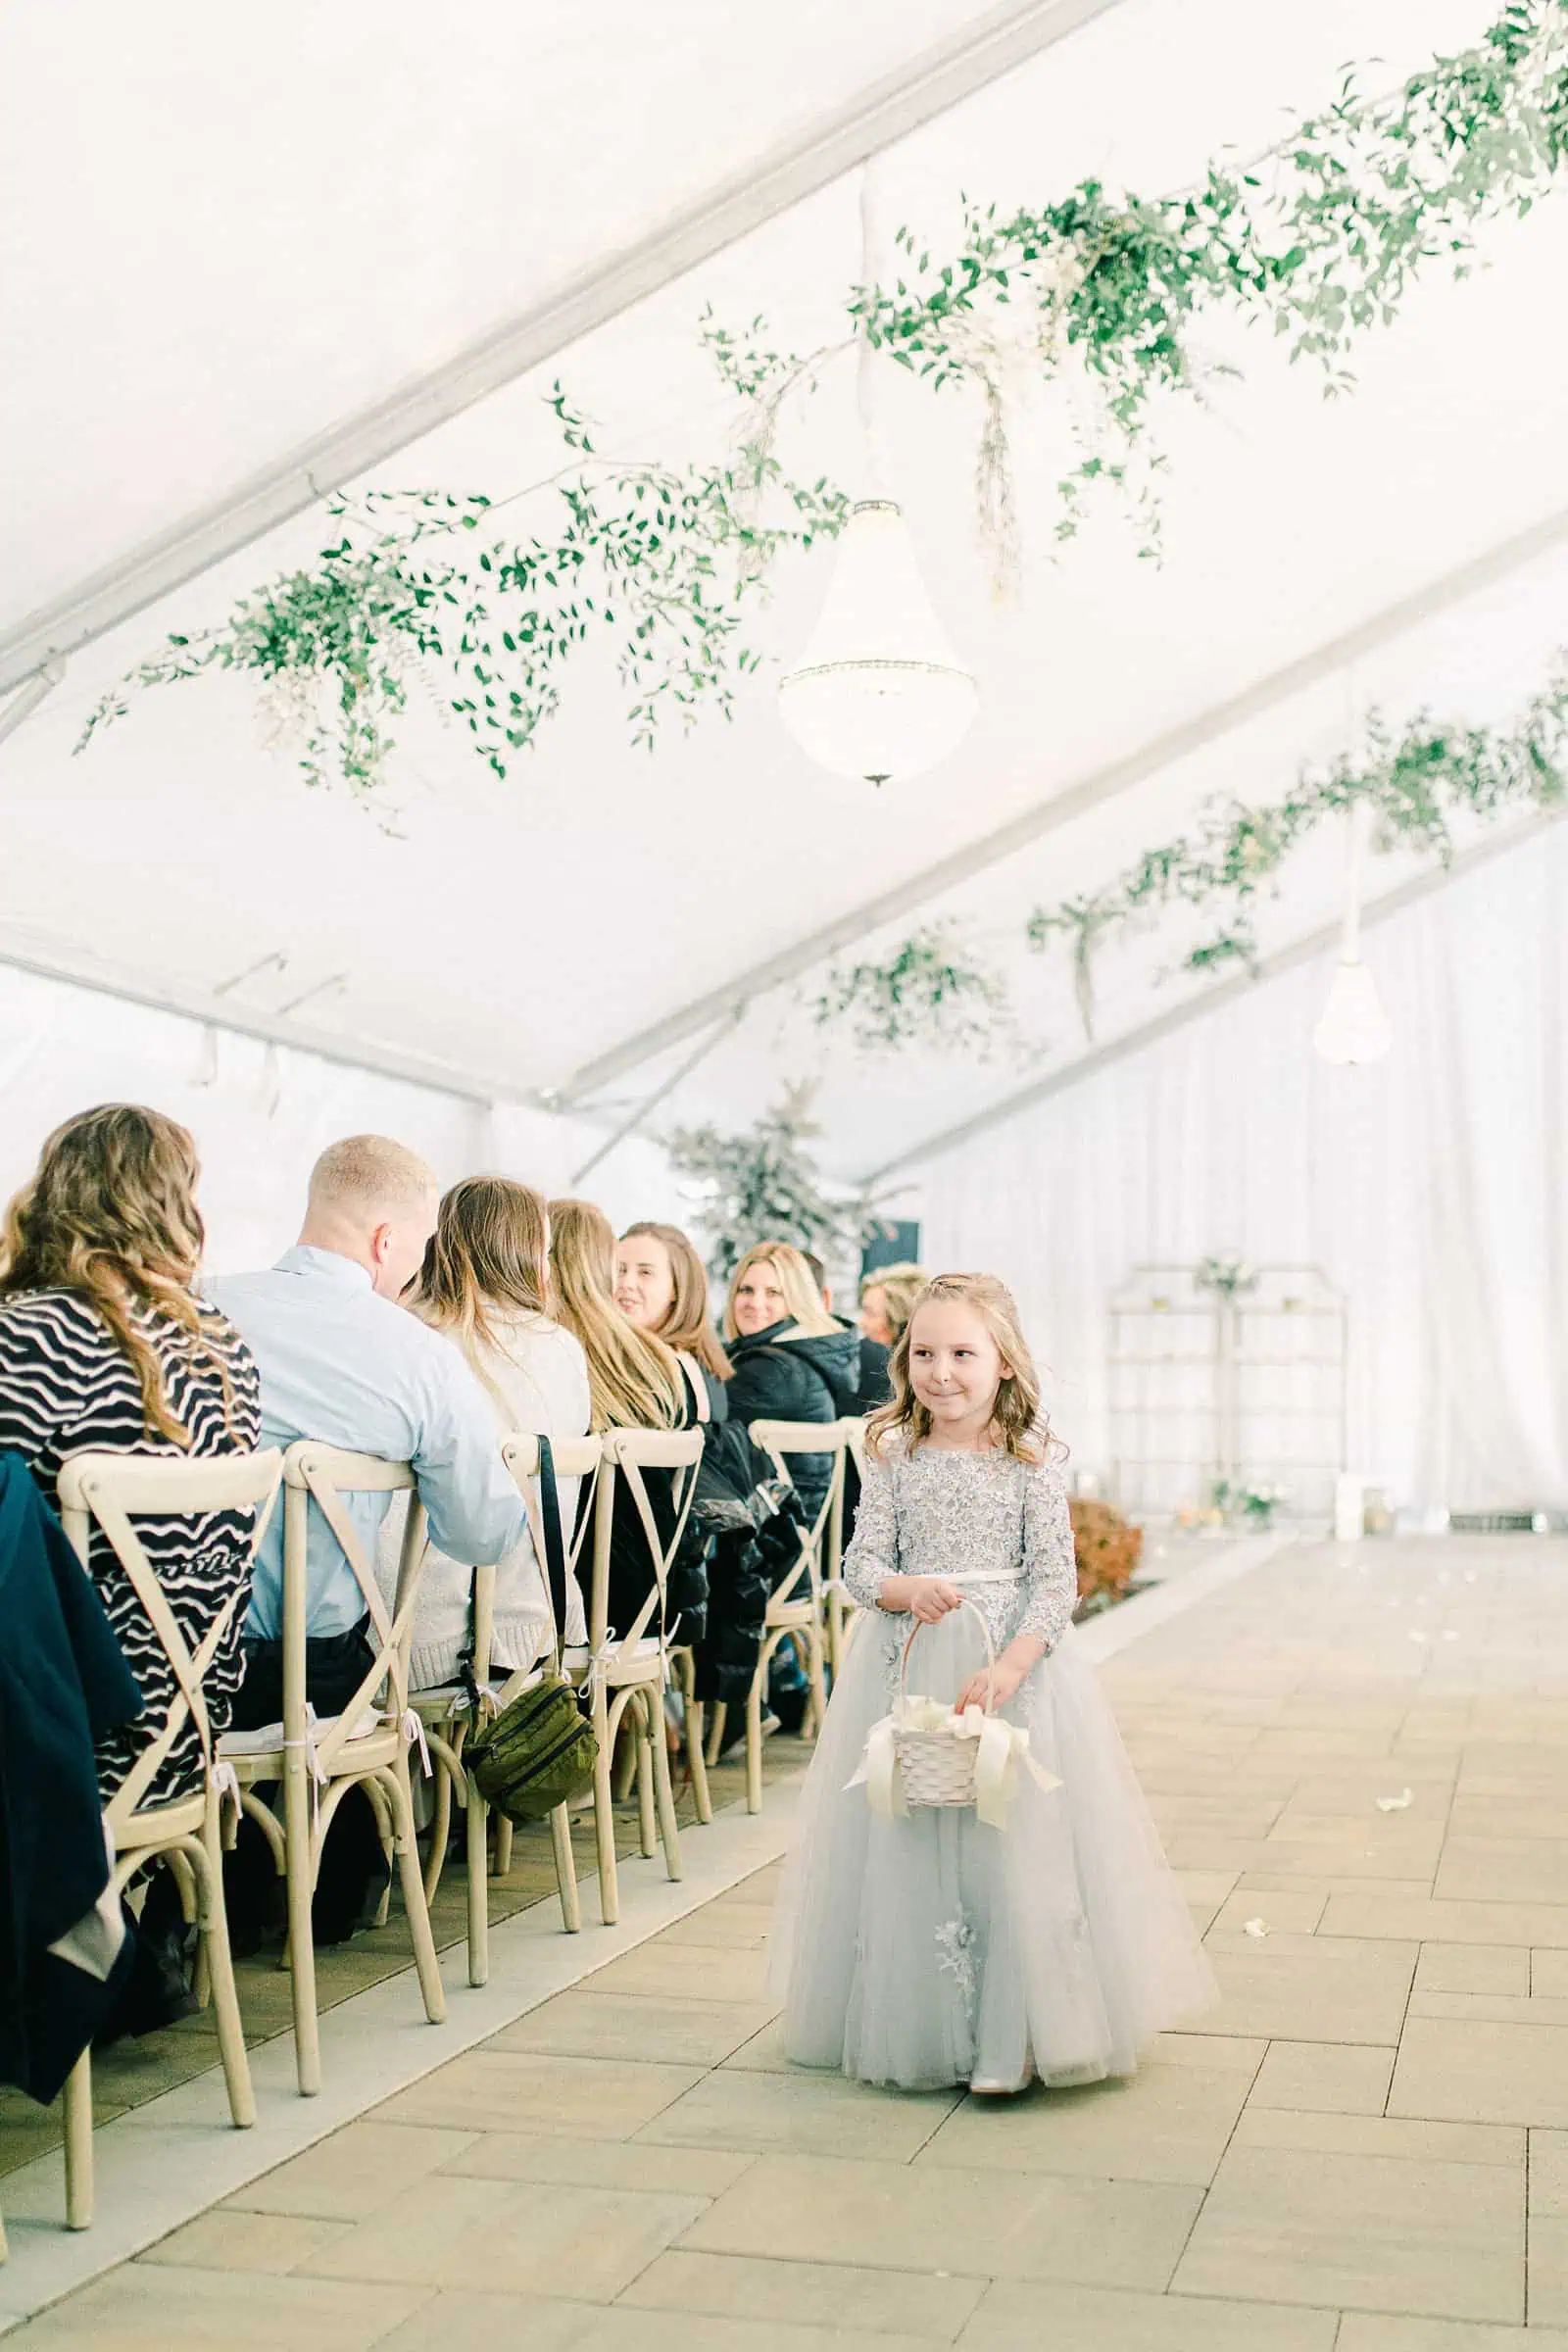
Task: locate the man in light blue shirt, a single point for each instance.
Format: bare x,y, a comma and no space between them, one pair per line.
341,1362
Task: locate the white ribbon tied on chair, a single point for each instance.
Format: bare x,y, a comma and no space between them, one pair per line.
315,1770
1003,1747
414,1737
225,1786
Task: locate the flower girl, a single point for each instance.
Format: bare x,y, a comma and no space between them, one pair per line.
1037,1930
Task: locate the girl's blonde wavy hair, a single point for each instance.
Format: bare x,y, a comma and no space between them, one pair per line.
111,1213
1016,1419
634,1381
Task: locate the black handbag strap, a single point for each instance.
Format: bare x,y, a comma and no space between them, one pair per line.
555,1561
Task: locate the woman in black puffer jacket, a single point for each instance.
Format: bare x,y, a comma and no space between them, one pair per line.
790,1360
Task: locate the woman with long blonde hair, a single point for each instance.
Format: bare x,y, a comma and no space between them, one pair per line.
106,1344
637,1382
485,1283
791,1358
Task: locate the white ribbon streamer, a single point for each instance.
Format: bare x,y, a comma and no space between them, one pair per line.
414,1737
1003,1747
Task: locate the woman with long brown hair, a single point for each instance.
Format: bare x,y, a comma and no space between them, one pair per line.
105,1343
485,1283
662,1286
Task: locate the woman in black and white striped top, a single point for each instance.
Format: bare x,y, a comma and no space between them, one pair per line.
103,1344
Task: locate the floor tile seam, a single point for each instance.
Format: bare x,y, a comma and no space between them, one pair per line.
1202,2195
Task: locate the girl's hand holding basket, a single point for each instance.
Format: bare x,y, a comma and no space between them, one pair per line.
926,1598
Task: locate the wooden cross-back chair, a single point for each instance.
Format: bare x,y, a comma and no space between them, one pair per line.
114,1490
627,1672
448,1715
795,1606
365,1747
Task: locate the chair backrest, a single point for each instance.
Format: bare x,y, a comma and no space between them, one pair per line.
823,1540
114,1489
572,1458
628,1454
323,1474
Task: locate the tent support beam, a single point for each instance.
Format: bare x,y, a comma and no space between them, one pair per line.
890,109
650,1103
1046,816
213,1011
24,702
1209,999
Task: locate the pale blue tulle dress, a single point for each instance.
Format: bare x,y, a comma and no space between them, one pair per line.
934,1949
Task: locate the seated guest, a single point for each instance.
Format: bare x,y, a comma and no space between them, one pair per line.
104,1343
887,1302
791,1360
662,1286
873,1384
635,1382
341,1362
485,1283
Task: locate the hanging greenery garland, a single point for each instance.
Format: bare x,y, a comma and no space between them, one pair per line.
1319,240
1417,782
665,563
933,991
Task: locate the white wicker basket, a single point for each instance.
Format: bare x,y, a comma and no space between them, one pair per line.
936,1762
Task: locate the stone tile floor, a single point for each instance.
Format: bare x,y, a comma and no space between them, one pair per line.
1363,2149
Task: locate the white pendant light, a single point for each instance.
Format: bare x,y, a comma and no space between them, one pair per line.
1353,1027
878,692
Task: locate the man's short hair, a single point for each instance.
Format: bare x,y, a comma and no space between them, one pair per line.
370,1171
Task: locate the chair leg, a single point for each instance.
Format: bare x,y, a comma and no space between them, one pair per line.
212,1921
504,1847
440,1830
669,1834
375,1798
604,1830
565,1869
648,1735
78,2144
300,1874
715,1731
479,1886
408,1853
701,1794
754,1741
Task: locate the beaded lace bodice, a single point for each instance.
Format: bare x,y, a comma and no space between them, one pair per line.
984,1517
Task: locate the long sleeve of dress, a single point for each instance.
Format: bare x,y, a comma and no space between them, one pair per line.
873,1549
1050,1567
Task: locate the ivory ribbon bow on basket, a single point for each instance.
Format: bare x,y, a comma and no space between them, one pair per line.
1001,1751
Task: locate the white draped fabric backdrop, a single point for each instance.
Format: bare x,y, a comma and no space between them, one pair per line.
1430,1189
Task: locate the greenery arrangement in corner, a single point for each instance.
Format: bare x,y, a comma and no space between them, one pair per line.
1319,241
766,1186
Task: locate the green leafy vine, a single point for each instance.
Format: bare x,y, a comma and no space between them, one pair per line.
1418,783
764,1186
667,563
930,990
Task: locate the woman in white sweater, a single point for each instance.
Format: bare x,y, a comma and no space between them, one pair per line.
486,1284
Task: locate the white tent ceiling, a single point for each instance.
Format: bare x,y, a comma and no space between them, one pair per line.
221,252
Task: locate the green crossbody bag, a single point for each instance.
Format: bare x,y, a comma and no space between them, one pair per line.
540,1751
